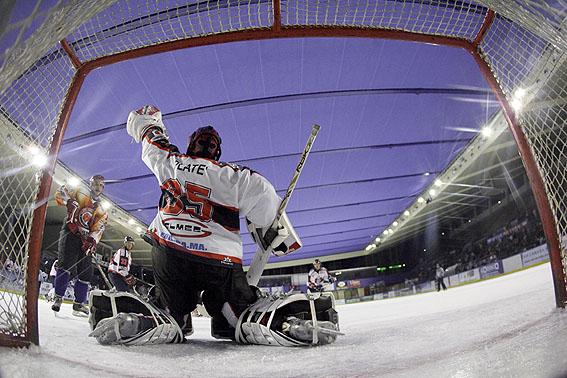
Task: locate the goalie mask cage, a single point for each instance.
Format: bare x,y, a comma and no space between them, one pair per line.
519,46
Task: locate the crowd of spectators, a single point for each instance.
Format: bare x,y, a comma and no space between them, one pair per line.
517,236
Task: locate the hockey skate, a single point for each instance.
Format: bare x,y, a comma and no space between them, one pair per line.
220,329
111,330
126,319
303,330
185,323
80,310
57,300
290,320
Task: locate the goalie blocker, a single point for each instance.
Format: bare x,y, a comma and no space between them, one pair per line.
285,320
263,239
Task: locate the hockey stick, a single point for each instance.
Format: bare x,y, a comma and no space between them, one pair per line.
110,286
261,256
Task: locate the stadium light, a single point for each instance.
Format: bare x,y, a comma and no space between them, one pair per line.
73,182
426,174
106,205
377,240
486,131
131,221
395,223
369,247
432,192
518,99
139,229
37,157
438,183
420,200
407,213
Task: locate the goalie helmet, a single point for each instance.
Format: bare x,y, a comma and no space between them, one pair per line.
205,142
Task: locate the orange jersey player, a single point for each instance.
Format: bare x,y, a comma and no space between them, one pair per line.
85,215
82,230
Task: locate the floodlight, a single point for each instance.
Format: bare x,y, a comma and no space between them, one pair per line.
106,205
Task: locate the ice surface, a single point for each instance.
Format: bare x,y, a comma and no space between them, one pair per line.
504,327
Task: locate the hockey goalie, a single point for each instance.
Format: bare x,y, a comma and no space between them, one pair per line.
196,247
283,320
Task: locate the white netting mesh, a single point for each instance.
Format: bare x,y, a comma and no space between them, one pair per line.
441,17
132,24
29,111
524,47
533,75
56,23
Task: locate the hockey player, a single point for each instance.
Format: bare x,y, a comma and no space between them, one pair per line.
119,267
439,275
318,276
52,274
82,230
197,246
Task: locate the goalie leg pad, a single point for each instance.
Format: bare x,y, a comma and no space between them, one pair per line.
289,320
124,318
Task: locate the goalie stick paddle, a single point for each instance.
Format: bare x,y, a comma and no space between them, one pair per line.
261,256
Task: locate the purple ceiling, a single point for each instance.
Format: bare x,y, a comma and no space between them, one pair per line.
389,112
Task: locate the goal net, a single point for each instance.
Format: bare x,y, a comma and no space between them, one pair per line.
519,45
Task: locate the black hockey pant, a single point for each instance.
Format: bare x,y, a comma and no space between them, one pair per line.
71,256
180,279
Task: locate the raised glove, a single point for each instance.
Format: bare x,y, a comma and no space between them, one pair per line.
142,120
130,280
89,245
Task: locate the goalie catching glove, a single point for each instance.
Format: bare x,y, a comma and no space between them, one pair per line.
281,239
143,120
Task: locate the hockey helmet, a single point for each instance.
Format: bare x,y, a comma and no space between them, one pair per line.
96,183
205,142
96,178
128,239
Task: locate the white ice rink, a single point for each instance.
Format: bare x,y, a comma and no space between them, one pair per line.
504,327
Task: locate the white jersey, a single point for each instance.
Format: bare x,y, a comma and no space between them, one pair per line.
202,201
439,272
120,262
318,277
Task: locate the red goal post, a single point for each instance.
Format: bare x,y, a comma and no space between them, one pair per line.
518,46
